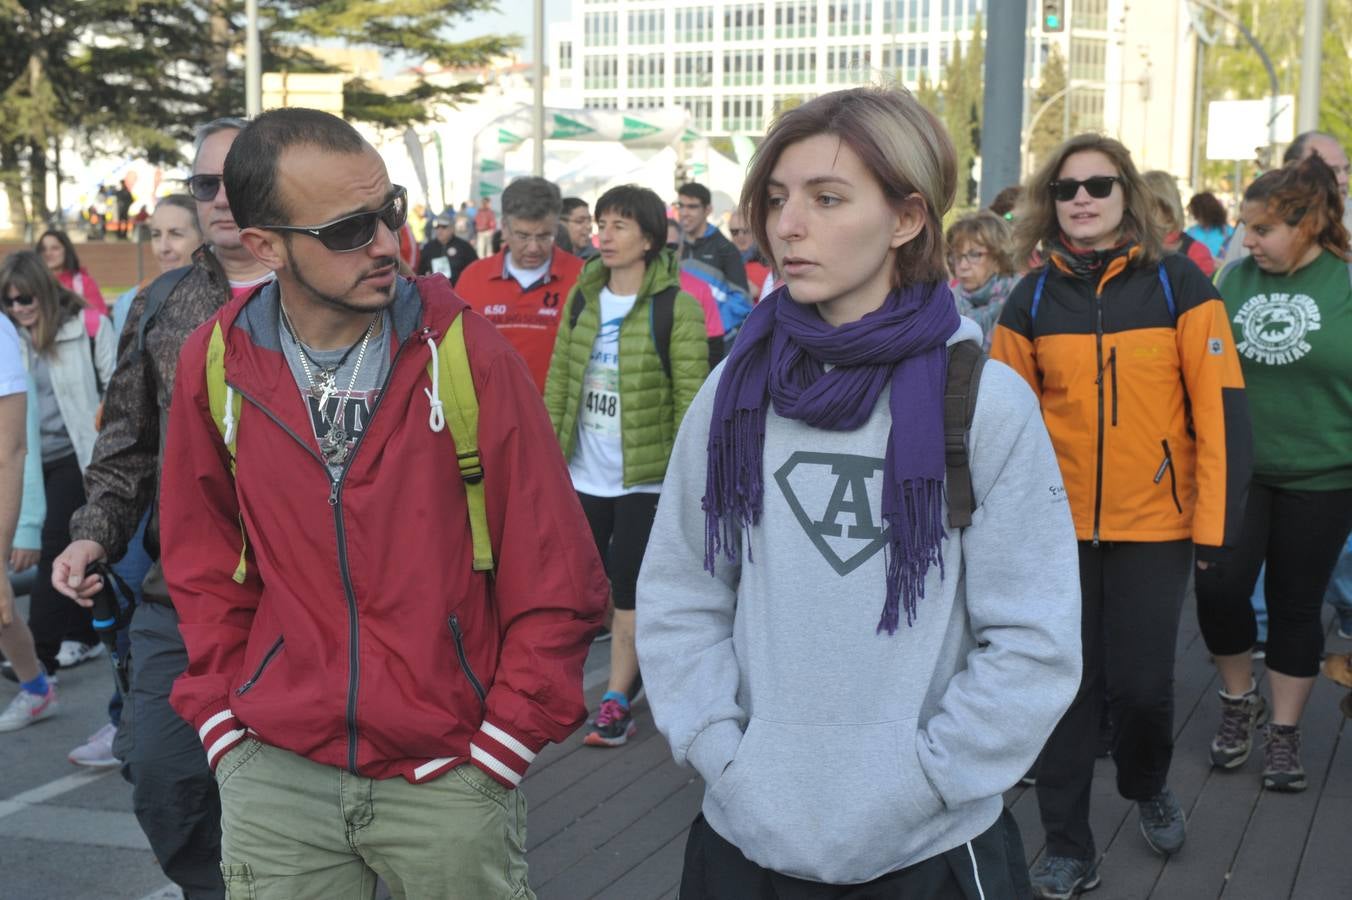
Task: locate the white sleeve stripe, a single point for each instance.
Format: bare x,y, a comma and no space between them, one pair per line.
223,743
211,723
486,760
432,765
507,741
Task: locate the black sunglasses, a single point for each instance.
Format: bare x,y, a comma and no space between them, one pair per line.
21,300
204,188
1098,187
357,230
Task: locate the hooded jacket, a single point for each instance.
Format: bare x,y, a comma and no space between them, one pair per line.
1145,404
651,404
358,635
76,372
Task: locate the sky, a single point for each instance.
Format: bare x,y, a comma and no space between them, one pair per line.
513,17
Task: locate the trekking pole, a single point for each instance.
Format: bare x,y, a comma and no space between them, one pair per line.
109,617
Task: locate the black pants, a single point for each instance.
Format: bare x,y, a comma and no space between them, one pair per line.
620,526
52,617
1132,597
990,866
1301,535
173,792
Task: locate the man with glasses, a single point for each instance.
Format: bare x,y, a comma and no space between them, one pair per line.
446,253
369,695
711,257
577,222
523,288
173,792
745,242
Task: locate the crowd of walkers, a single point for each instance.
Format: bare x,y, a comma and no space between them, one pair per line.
881,516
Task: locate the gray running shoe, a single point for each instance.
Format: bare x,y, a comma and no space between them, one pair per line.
1281,759
1234,739
1062,877
1162,823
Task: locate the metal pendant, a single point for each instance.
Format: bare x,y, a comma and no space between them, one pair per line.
323,389
334,446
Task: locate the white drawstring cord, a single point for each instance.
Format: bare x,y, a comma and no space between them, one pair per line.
229,418
436,419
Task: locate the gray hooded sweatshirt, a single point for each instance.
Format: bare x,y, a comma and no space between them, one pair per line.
831,752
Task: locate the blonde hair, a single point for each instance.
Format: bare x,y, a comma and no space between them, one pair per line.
1037,225
1168,202
902,145
985,229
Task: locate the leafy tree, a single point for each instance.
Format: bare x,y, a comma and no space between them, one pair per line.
1232,69
1049,129
137,75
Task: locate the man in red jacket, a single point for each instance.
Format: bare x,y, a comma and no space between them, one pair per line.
368,701
524,289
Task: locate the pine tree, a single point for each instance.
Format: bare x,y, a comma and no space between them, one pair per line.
138,75
1049,129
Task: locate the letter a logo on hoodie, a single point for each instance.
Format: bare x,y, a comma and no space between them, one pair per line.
829,495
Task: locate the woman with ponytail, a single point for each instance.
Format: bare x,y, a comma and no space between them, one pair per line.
856,680
1130,354
1290,303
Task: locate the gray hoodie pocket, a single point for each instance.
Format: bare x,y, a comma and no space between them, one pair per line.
829,802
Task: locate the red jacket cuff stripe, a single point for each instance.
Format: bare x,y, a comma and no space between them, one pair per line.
219,732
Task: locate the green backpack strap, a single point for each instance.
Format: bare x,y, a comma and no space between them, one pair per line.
965,361
455,403
225,408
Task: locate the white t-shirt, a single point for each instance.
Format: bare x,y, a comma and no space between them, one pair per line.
597,465
527,277
13,376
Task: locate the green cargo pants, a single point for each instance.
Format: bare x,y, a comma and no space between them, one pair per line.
293,829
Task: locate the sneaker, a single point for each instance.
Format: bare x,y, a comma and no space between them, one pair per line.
1162,822
26,708
1062,877
97,752
614,726
1234,739
1281,759
73,653
1259,650
7,670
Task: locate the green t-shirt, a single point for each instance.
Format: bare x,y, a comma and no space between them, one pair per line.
1294,337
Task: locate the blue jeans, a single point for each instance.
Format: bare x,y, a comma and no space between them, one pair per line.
132,568
1338,595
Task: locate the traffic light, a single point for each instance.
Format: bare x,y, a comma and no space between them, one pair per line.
1053,15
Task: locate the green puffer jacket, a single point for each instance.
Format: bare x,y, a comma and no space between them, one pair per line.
651,405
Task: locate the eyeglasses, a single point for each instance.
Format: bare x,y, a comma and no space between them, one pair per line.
204,188
971,257
21,300
1099,186
357,230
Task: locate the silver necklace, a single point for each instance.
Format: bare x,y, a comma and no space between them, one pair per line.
334,443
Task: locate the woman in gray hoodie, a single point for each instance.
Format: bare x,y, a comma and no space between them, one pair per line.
856,681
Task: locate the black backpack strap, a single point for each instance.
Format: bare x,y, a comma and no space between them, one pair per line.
94,358
663,320
575,308
965,361
156,296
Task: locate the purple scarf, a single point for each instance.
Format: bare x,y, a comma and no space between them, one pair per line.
780,355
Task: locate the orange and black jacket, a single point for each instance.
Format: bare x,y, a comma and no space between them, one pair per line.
1142,395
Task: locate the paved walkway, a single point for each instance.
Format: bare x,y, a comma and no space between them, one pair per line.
612,823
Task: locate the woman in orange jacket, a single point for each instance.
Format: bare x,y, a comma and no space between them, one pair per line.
1130,353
